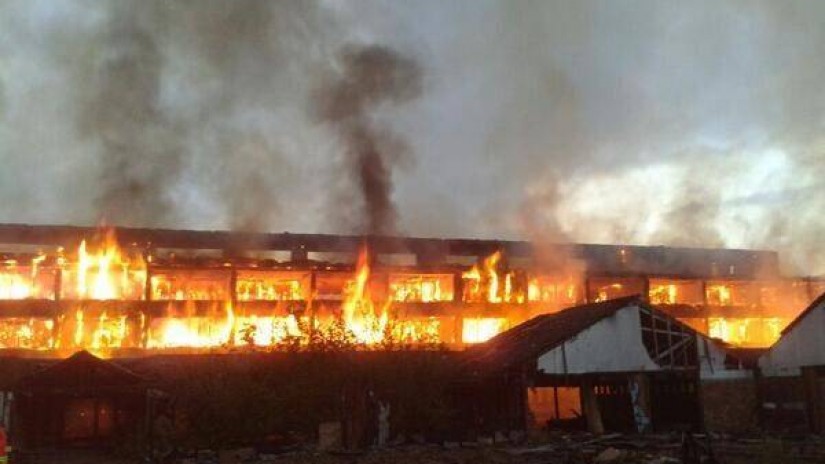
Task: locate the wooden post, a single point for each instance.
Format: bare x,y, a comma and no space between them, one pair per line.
640,398
590,405
812,401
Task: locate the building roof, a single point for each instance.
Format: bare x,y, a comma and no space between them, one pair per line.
529,340
600,259
80,372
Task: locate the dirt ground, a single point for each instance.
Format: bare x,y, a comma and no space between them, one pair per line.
580,449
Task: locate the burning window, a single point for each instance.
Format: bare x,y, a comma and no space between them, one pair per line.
669,291
193,325
27,333
416,330
607,288
491,283
330,285
22,282
558,291
336,286
98,329
481,329
424,288
787,298
731,294
270,330
272,286
749,332
104,272
191,285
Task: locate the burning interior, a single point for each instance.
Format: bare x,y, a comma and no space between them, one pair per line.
63,289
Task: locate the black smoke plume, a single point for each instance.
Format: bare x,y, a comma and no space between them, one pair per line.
368,77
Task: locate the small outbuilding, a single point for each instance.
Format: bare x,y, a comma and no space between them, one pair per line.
79,401
619,365
793,375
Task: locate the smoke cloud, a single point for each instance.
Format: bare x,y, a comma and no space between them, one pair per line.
369,76
643,122
140,150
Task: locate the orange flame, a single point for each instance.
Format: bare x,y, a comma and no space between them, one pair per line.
484,283
107,274
360,317
481,329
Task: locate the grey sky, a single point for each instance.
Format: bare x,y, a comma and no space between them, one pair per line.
650,122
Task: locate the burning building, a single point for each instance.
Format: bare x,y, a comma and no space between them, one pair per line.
356,307
64,289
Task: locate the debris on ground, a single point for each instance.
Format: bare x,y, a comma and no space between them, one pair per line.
555,448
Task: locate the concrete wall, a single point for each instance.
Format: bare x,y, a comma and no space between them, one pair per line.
613,344
803,346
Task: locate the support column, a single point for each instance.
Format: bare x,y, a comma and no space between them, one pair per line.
590,406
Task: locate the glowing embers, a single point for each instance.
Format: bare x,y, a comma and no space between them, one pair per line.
481,329
186,284
491,283
748,332
272,285
104,272
422,288
26,333
672,291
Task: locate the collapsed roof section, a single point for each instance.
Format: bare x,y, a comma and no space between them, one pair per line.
620,335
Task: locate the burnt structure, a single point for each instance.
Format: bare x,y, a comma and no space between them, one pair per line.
618,365
265,287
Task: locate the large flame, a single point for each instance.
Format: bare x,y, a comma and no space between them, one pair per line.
484,283
107,273
361,317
